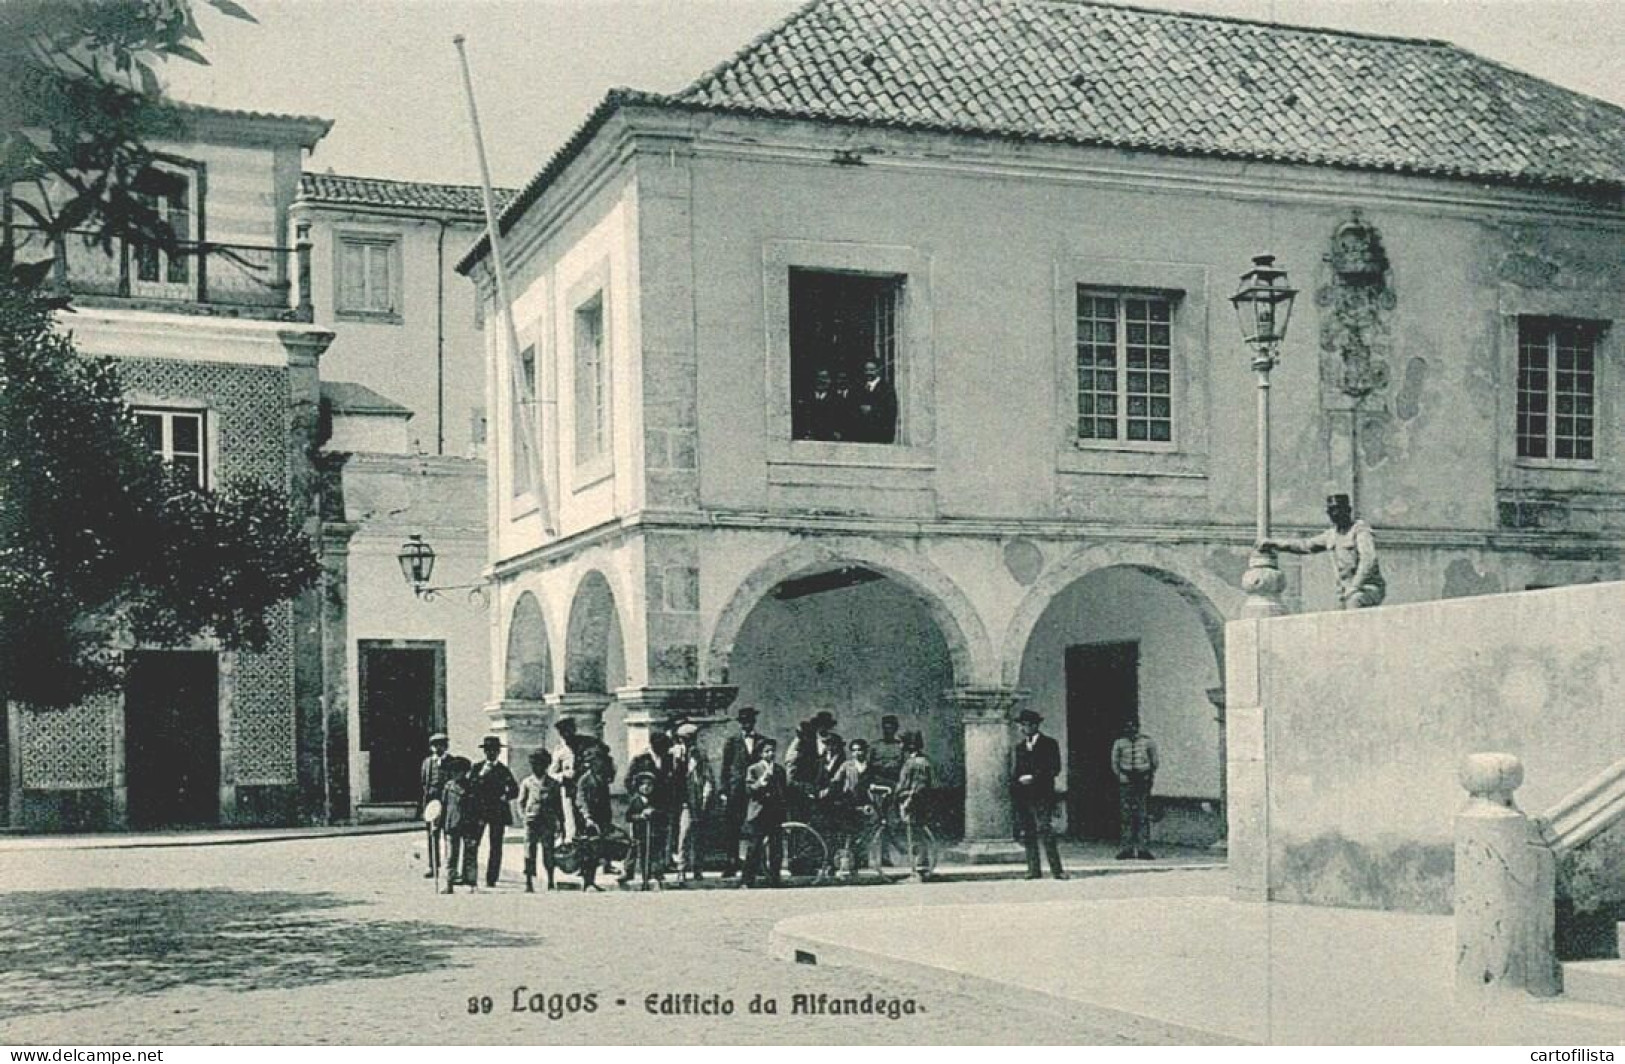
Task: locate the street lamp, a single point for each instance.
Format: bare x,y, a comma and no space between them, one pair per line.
1263,308
416,559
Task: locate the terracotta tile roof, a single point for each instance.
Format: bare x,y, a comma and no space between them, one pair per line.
405,195
1093,73
1085,72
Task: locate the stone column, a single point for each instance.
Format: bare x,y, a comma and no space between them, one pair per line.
651,707
985,715
1506,887
522,725
586,708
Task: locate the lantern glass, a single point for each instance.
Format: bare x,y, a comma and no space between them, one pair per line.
417,561
1264,303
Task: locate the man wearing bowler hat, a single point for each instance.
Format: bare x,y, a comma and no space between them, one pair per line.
1035,764
738,755
1354,551
493,787
432,780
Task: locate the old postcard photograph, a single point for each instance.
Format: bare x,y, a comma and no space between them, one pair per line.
812,523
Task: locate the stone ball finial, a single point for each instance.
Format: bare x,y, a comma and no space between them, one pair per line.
1491,776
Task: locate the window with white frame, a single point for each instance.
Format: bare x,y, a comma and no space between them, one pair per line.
179,438
1557,389
1125,367
524,414
369,272
591,382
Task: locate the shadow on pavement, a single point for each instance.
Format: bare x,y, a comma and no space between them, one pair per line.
70,949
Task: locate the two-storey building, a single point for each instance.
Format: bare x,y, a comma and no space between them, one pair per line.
1025,218
219,357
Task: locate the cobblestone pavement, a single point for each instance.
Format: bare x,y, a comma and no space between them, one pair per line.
339,940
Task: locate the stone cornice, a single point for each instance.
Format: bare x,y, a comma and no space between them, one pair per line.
809,144
1240,536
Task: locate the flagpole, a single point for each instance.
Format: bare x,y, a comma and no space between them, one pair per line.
516,375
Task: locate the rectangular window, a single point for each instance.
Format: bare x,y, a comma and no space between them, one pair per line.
167,194
1125,367
844,337
178,437
591,382
1557,389
368,272
522,450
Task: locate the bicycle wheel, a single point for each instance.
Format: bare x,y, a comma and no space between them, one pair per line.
912,849
805,853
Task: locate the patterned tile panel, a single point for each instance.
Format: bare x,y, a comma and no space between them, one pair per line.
69,749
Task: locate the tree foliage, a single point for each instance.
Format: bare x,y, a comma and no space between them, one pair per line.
101,546
80,104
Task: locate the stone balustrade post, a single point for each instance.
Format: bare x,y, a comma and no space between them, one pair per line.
1506,887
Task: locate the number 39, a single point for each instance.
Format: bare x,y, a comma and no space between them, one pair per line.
478,1006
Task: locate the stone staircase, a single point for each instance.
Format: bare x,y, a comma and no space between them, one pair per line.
1600,982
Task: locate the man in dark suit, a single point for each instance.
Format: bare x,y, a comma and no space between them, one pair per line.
1034,766
767,787
738,755
874,407
819,414
493,787
432,779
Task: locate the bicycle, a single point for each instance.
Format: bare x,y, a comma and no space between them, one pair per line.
884,835
806,854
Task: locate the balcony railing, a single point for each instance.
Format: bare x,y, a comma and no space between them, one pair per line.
231,277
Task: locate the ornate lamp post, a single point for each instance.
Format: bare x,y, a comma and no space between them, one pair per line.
1263,307
416,559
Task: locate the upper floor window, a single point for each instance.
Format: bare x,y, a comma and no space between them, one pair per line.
591,382
176,436
523,419
169,195
1557,389
369,275
1125,367
843,355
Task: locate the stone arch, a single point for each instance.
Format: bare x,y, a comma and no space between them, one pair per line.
593,648
969,648
528,668
1201,592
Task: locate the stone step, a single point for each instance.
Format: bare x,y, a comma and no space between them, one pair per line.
1599,982
385,812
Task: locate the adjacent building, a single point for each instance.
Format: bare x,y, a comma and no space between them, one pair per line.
1023,219
404,387
220,357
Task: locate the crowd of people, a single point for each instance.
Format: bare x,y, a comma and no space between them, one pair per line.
834,408
673,795
676,800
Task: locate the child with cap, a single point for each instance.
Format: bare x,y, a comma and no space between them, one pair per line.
646,819
539,805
